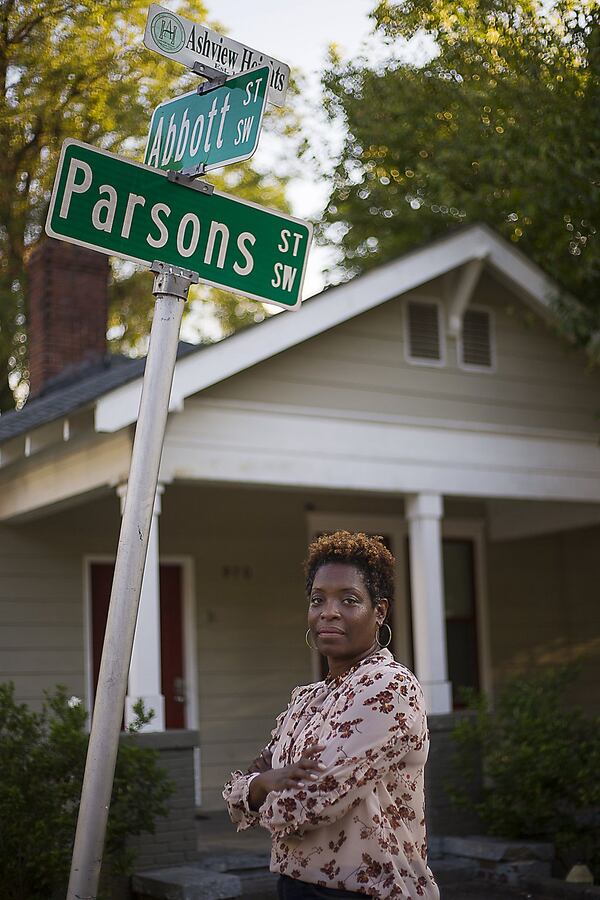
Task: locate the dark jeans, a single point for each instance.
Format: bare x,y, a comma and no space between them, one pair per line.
292,889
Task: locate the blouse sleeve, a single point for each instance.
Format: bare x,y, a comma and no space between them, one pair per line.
381,720
235,791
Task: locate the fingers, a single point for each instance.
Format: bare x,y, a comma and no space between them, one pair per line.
313,749
262,763
310,765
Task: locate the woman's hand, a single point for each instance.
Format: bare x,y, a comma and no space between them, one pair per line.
293,776
262,763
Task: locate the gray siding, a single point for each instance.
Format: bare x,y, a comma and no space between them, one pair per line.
41,597
360,365
544,610
246,548
251,622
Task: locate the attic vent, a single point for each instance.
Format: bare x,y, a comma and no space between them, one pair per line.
423,332
477,339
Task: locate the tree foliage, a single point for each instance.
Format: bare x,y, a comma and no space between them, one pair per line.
42,759
540,758
501,125
76,68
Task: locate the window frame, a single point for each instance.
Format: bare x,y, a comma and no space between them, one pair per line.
472,367
419,360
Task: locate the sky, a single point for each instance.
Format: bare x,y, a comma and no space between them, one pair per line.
298,34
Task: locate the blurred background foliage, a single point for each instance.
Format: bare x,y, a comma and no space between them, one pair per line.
500,125
42,761
78,69
498,122
540,756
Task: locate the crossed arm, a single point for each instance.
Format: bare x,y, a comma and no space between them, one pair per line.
380,723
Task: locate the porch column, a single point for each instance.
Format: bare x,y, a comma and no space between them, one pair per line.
145,670
424,514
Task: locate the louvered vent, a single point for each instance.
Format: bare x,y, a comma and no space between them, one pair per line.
423,331
476,339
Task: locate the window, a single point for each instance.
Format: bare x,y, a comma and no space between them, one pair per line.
461,627
475,349
423,333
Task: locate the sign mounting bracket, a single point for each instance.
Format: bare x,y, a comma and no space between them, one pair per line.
189,177
214,78
172,280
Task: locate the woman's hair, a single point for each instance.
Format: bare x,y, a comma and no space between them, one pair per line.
367,553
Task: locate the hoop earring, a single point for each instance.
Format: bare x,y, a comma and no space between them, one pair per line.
307,639
389,641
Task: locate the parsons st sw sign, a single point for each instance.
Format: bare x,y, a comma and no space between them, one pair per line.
108,203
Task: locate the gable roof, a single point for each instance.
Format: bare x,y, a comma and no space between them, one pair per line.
75,389
115,385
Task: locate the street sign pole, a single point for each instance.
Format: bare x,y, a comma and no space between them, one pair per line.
170,289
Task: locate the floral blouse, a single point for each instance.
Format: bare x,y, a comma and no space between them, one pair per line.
361,825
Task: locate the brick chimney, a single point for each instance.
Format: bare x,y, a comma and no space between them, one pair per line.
68,309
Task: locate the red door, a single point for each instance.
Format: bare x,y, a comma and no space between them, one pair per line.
171,633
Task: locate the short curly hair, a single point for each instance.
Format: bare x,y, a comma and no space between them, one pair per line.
366,552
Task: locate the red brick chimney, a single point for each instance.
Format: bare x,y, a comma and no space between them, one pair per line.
68,309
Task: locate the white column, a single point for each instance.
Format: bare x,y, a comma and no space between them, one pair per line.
144,670
424,514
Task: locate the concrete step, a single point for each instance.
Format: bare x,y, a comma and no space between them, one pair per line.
252,869
187,882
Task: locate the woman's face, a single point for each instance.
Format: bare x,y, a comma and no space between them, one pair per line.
341,617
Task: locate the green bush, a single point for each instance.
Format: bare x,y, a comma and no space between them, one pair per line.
42,759
540,761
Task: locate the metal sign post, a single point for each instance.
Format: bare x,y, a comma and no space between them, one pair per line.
138,212
170,289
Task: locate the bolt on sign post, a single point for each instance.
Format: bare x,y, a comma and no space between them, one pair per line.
159,216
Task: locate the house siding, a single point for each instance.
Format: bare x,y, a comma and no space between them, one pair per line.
538,381
41,597
543,594
246,546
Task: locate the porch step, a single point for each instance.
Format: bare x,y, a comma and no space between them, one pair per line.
500,860
215,876
453,871
185,883
252,869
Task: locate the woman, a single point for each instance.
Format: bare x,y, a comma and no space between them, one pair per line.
340,784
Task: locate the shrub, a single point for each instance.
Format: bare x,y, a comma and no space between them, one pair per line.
540,760
42,759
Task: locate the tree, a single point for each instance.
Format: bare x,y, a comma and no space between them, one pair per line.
501,125
76,68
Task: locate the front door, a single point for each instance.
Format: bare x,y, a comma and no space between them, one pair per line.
171,633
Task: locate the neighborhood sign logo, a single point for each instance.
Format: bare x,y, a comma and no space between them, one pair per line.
168,32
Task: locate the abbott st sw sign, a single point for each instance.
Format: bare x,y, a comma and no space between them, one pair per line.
126,209
205,131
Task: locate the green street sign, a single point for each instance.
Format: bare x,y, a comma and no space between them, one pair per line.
205,131
108,203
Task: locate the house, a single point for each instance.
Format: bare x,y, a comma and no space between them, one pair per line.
429,400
